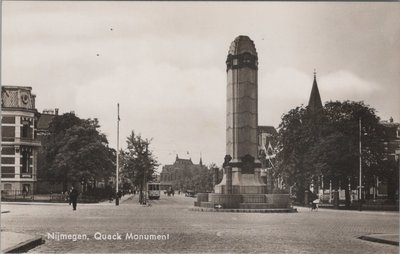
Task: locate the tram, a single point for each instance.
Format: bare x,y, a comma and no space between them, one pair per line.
153,190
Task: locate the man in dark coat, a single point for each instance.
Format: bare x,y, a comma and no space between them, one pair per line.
73,197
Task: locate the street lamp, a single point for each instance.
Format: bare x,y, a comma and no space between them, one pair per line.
117,169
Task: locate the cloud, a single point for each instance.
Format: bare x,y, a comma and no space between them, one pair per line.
345,85
279,91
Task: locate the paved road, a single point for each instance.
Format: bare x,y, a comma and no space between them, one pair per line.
325,231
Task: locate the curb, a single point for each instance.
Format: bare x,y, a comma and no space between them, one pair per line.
379,240
25,246
282,210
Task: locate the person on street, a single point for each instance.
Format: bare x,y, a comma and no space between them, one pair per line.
69,197
73,197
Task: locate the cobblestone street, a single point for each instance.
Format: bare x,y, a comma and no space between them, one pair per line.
325,231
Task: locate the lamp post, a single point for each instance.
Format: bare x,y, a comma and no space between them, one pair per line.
360,176
117,169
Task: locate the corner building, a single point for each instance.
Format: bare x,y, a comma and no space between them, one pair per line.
18,139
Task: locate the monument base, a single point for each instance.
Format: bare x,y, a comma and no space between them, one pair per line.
242,183
243,203
284,210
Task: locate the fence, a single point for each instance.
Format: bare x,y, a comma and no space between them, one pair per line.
18,195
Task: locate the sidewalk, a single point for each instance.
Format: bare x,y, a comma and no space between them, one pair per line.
126,197
382,238
12,242
322,209
16,242
123,198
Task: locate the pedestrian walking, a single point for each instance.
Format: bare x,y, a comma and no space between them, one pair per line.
73,197
69,197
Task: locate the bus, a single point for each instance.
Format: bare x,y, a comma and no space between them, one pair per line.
153,190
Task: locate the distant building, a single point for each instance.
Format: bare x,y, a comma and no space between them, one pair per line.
267,137
44,121
179,176
391,149
18,139
267,143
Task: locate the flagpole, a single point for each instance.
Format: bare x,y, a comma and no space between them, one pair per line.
117,169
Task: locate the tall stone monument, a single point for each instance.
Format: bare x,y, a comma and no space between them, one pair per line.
242,189
242,119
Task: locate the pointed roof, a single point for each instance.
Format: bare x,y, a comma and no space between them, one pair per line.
315,103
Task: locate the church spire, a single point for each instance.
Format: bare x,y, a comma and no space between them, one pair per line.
315,103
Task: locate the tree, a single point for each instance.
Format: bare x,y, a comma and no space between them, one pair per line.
137,161
294,143
76,152
328,144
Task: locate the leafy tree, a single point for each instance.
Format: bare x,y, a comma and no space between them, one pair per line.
75,151
328,144
137,161
294,143
338,148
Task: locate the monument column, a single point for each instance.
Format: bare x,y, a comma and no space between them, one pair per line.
241,118
241,115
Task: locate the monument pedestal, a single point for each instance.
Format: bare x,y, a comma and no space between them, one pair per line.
239,192
242,183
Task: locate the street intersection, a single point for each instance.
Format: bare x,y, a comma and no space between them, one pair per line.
168,226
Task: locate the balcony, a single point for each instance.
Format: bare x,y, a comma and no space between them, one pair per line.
26,175
21,141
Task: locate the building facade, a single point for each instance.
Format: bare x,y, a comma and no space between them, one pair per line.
19,141
389,186
181,175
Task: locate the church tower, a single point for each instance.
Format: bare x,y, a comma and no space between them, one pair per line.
315,103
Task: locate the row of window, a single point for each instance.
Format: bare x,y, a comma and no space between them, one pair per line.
11,160
9,132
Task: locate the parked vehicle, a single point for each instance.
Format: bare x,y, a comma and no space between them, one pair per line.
190,193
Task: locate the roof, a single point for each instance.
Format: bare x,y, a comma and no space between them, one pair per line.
267,129
315,103
242,44
44,121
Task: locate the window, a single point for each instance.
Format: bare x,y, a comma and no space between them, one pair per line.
25,130
8,150
7,186
8,132
8,160
8,119
7,172
25,162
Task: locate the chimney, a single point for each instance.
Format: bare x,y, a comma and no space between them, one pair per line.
56,110
391,120
33,101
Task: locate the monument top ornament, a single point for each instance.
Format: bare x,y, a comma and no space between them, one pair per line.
242,53
242,44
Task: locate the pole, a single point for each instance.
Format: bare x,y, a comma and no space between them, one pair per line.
145,177
117,169
360,180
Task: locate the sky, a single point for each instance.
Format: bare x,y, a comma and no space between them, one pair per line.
164,63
